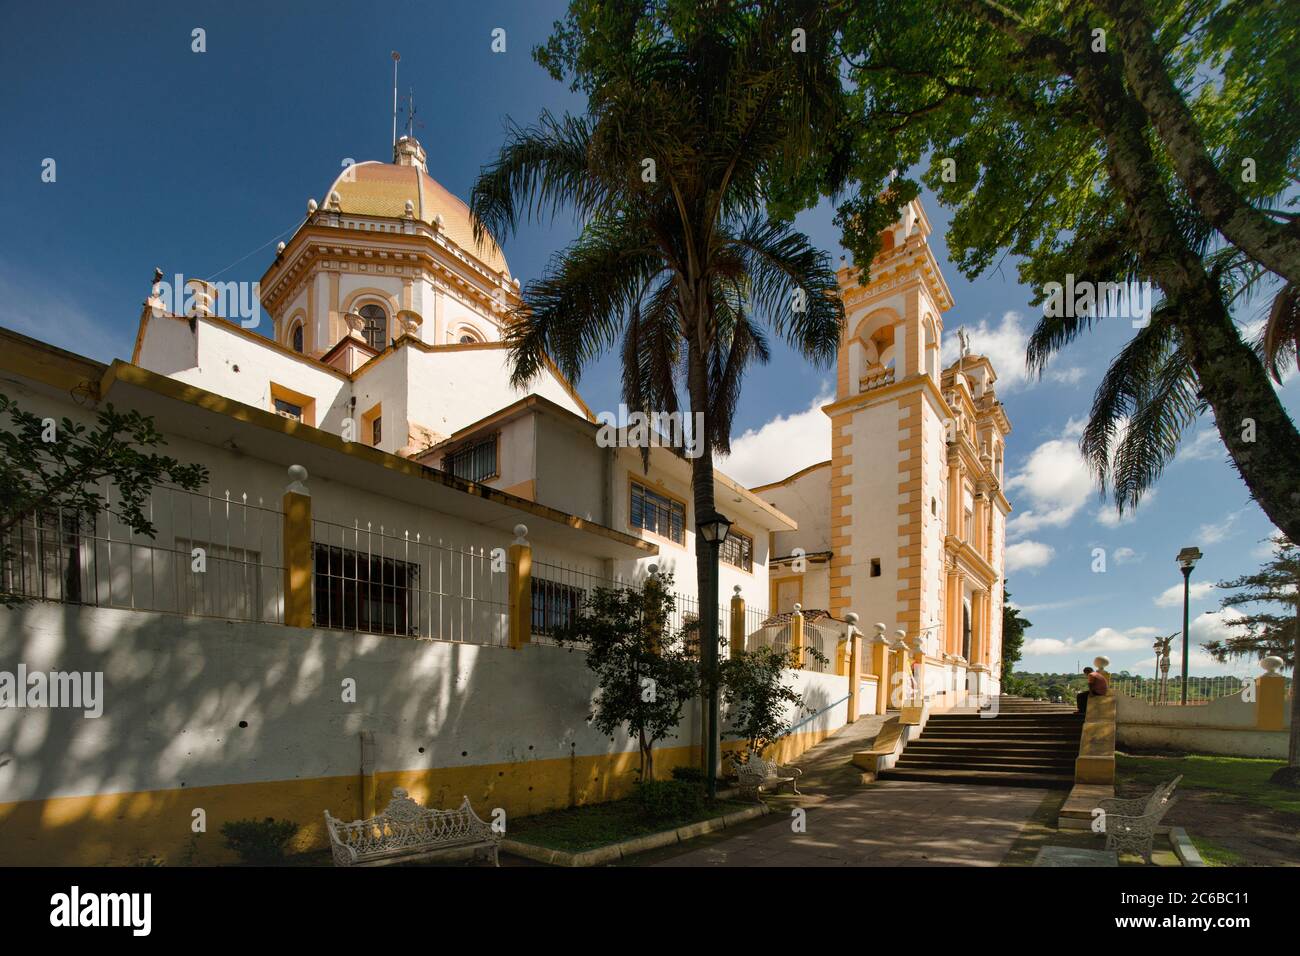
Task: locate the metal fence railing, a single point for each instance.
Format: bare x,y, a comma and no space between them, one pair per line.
1169,691
211,555
381,582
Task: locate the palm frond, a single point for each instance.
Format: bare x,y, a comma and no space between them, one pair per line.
578,309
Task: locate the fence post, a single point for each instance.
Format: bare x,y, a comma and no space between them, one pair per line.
855,683
297,549
737,624
519,589
796,637
1270,696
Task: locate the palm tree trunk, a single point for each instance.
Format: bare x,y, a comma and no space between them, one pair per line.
697,385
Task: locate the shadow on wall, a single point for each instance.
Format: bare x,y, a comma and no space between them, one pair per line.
232,721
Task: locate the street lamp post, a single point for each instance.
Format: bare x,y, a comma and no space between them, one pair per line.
1187,559
713,529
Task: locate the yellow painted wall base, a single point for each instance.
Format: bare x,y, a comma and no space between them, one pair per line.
127,828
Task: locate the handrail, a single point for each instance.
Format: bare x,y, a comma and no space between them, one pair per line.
812,716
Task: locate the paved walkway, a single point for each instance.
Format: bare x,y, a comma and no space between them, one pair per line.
887,823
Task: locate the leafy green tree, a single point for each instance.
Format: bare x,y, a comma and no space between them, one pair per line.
641,666
1084,139
1013,635
1270,628
61,466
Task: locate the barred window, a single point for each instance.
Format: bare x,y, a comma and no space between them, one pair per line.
738,550
555,606
473,462
230,586
43,555
658,514
363,592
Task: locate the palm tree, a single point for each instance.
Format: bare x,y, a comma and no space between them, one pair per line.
689,128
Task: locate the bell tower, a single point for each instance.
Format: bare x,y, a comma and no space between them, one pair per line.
888,508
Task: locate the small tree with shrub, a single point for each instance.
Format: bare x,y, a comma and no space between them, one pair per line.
758,698
644,674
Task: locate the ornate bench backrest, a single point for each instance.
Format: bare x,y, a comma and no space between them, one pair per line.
404,823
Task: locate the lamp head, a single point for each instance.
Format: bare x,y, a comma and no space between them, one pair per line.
713,527
1188,557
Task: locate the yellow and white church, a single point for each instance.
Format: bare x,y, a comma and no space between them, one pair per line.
387,315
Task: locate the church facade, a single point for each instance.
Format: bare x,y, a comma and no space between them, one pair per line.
387,325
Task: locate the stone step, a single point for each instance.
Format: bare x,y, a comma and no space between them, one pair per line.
995,747
993,762
1003,778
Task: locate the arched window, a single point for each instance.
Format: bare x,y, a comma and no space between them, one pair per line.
376,327
467,339
295,338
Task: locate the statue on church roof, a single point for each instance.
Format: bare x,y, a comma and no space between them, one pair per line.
963,337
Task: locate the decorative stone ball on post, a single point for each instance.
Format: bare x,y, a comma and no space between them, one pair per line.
1101,662
297,480
1271,664
521,534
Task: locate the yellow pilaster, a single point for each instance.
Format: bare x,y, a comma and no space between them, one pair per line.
296,508
796,638
880,667
519,589
1270,702
737,625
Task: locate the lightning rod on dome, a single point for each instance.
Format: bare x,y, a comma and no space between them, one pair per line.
396,56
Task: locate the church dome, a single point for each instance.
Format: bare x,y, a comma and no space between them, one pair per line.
390,189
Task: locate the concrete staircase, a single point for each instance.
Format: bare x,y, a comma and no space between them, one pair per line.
1028,744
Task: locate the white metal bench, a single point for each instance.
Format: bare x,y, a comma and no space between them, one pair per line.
1131,822
405,831
757,774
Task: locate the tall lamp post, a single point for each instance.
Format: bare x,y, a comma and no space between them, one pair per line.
1187,559
713,529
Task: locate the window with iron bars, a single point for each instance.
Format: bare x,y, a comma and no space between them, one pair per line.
474,462
363,592
737,550
555,606
658,514
42,555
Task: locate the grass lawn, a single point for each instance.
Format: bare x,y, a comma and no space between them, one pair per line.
1215,855
576,829
1238,778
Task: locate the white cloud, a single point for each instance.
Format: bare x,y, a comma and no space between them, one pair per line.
1206,445
1067,376
1172,596
1056,482
1213,533
1104,639
1028,554
781,447
1005,341
37,310
1108,515
1044,647
1126,556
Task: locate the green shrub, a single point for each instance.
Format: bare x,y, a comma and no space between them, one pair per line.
689,774
670,799
260,842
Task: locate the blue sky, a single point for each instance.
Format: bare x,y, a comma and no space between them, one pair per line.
199,162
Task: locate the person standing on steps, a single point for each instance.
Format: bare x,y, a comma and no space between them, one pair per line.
1098,686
